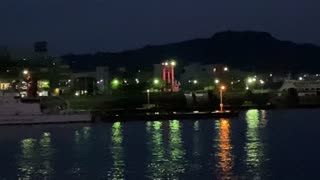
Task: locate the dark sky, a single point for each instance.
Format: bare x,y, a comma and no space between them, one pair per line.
82,26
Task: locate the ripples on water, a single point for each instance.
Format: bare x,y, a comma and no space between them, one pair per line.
201,149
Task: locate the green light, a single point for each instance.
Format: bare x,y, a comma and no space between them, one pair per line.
117,152
156,81
254,146
115,83
43,84
157,125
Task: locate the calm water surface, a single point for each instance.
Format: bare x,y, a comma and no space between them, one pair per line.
282,144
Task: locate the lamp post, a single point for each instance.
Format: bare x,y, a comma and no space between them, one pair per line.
148,97
222,88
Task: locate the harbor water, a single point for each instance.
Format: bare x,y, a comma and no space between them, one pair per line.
259,144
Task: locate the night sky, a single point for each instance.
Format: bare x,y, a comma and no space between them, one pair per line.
82,26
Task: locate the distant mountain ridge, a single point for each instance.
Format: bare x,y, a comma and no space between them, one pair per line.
249,50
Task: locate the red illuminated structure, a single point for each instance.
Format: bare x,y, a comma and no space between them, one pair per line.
171,85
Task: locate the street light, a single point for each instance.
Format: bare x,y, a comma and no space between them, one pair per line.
216,81
226,69
222,88
156,81
173,63
25,72
195,81
115,83
148,97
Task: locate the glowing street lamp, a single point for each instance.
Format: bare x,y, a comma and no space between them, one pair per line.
195,81
25,72
115,83
148,97
156,81
216,81
173,63
222,88
225,69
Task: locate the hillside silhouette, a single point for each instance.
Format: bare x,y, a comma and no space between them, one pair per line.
247,50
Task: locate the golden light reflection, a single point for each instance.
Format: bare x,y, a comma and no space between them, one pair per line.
224,154
254,146
117,171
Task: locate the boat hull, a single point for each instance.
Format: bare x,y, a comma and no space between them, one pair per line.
44,119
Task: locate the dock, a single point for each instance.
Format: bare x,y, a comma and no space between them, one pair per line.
44,119
110,116
105,116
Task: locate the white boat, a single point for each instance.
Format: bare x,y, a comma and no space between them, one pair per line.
16,110
303,88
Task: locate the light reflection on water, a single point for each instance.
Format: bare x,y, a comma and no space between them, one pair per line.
176,149
167,156
81,149
254,146
224,154
36,159
117,170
